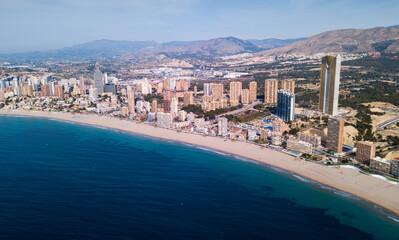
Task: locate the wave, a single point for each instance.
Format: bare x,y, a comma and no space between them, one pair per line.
393,218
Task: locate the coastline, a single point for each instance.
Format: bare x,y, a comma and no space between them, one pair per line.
374,190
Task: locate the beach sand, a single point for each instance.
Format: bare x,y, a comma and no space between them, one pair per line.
377,191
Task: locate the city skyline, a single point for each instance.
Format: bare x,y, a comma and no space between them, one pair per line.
46,25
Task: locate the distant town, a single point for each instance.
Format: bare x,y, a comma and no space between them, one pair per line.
299,114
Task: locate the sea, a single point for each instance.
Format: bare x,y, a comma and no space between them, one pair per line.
64,180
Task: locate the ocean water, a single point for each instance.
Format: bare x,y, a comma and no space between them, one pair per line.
61,180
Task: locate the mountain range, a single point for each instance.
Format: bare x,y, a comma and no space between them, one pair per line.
383,39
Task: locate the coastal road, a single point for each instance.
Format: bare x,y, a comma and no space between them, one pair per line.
243,109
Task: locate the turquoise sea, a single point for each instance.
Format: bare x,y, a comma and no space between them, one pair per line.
62,180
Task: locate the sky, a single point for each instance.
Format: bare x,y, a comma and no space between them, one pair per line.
33,25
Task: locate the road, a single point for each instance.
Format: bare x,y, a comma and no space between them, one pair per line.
243,109
387,123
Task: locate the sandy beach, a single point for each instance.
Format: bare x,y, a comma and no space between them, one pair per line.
377,191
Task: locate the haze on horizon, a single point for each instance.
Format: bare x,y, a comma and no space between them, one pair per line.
31,25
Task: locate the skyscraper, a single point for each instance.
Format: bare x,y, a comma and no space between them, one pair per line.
335,135
329,86
130,99
285,105
235,93
252,91
98,79
271,88
288,85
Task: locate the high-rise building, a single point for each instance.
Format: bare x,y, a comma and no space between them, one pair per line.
335,135
288,85
245,96
173,107
271,88
130,99
329,86
207,89
252,91
365,151
285,105
110,88
188,98
166,84
278,126
217,91
235,93
154,106
98,79
45,91
309,138
27,90
222,127
93,94
82,86
59,91
167,95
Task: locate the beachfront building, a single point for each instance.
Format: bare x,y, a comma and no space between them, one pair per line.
299,146
395,167
313,139
173,107
130,99
329,86
271,88
278,126
264,134
365,151
335,135
276,139
381,164
182,115
222,127
154,106
285,105
164,120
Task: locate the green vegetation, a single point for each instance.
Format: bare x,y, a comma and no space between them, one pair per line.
196,109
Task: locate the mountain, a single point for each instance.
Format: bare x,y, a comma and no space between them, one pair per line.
271,43
384,39
112,48
211,48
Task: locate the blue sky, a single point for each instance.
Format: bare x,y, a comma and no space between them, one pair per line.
28,25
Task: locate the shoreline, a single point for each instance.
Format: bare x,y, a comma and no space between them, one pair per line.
348,180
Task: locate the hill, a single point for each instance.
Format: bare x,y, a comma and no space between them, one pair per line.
384,39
